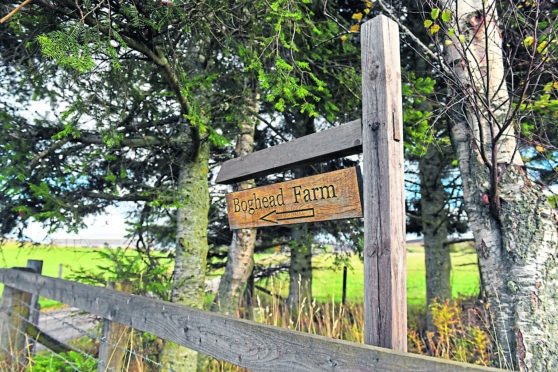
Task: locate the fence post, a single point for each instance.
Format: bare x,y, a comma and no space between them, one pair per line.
17,308
344,293
35,307
116,336
37,267
385,297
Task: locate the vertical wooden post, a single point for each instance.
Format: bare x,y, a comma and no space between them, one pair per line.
344,293
37,267
385,297
15,312
111,353
35,308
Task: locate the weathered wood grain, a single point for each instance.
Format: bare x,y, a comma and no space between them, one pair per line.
333,143
111,353
251,345
14,311
385,298
328,196
14,315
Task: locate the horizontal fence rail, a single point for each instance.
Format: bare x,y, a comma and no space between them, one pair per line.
247,344
333,143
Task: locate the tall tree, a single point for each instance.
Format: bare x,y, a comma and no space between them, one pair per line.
300,269
434,227
320,61
240,259
513,223
145,88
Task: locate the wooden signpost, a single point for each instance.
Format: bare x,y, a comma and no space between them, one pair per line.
379,137
329,196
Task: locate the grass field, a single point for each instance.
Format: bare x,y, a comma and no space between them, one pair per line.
327,282
465,278
11,254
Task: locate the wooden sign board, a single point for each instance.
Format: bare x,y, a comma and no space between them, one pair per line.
328,196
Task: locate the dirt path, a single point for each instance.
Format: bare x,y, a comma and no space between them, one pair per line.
66,324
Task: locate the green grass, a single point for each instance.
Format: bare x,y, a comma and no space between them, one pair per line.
327,282
14,255
11,254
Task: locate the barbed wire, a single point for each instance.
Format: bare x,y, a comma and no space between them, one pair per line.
46,347
85,333
8,352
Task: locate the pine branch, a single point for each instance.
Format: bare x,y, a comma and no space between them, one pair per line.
14,11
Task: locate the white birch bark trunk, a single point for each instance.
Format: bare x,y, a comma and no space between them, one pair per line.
513,224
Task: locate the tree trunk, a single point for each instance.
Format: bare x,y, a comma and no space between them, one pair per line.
240,258
434,221
191,249
300,269
513,224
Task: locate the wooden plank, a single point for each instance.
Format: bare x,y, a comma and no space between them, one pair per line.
333,143
247,344
112,353
385,297
328,196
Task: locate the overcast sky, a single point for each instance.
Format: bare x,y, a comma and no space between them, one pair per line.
107,226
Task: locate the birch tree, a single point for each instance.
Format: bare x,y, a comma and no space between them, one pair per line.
496,68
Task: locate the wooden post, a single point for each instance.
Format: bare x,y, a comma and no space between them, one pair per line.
14,314
35,308
385,298
111,353
344,293
37,267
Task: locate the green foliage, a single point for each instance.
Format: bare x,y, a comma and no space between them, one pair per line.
417,111
148,272
67,51
458,336
59,362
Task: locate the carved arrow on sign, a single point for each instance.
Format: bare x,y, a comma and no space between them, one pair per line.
327,196
288,215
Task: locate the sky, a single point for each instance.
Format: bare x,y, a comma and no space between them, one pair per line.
110,225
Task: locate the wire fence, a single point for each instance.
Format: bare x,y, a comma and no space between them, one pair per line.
137,351
127,334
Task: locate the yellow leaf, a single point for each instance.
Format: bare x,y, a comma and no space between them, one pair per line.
366,11
427,23
542,47
355,28
434,29
540,148
448,42
555,85
528,41
344,37
369,4
357,16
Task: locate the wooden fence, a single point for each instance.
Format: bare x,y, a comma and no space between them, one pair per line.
240,342
261,347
